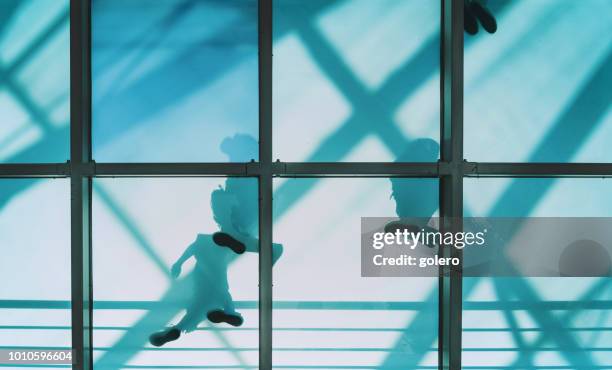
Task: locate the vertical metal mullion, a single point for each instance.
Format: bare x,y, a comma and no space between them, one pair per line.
451,185
265,184
80,183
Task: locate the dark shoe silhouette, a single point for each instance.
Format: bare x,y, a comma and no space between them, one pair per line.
160,338
218,316
484,15
470,24
226,240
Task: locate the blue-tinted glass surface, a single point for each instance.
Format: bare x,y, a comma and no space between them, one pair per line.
538,90
325,314
35,264
532,323
173,79
146,232
34,81
355,80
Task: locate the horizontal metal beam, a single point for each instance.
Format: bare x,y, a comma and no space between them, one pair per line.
472,169
313,169
357,169
29,170
175,169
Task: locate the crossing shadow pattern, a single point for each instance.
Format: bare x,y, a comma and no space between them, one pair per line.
373,113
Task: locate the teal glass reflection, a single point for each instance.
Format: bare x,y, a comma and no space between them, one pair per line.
325,314
34,81
158,273
537,323
538,89
35,265
354,80
172,79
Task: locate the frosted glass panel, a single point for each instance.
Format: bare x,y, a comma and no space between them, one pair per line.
325,314
35,264
173,79
538,90
537,322
355,80
34,81
158,271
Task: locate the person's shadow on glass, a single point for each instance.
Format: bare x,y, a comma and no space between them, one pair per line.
235,211
416,200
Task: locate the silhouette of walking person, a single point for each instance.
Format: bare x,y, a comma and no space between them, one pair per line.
211,297
415,202
243,148
235,213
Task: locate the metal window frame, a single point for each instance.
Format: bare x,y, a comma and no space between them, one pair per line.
451,169
81,184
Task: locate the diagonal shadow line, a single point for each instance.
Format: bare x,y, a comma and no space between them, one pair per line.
130,343
149,39
59,138
401,84
562,142
6,74
338,144
286,10
314,6
352,131
588,295
423,328
47,148
132,340
510,319
569,348
153,317
8,8
349,83
131,227
39,117
601,322
116,357
376,115
33,154
537,26
117,116
41,39
413,74
586,109
15,135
